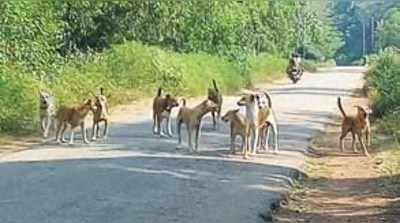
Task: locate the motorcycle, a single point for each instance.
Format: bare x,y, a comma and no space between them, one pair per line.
295,74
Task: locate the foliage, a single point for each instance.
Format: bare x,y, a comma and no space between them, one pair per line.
390,29
29,33
384,81
128,71
18,100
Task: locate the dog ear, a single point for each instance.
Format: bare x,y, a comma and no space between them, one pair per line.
236,110
362,110
252,98
168,96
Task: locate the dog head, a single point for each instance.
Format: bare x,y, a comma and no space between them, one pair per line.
100,102
229,115
89,104
362,112
46,99
170,102
247,100
209,106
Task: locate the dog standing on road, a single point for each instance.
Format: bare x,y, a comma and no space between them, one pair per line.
46,111
267,116
357,125
74,116
162,108
100,114
192,118
215,95
238,127
249,101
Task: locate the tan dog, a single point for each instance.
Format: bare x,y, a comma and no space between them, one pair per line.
192,118
249,101
100,114
73,116
215,95
162,108
238,127
357,125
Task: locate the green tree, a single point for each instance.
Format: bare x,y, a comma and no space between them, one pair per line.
389,31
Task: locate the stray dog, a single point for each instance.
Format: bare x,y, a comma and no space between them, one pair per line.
215,95
267,115
73,116
357,125
259,116
252,125
238,127
100,114
192,118
162,107
46,111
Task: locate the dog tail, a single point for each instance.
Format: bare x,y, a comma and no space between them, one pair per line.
183,102
339,103
269,99
159,92
215,85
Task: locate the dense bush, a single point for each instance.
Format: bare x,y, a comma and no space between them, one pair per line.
384,81
18,101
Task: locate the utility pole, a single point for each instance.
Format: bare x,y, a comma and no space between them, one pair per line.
363,40
372,34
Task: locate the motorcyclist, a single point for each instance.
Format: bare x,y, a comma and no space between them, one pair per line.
294,69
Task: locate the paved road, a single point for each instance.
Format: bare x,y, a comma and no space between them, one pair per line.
137,177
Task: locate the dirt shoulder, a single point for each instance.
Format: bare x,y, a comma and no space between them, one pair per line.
344,187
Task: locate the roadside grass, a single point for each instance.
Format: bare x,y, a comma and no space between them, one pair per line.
129,72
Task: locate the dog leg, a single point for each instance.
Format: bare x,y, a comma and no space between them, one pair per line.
255,141
276,142
71,140
42,123
94,130
190,133
83,130
197,136
341,142
353,142
105,133
47,127
246,148
214,120
58,131
368,137
155,123
63,133
178,129
233,143
169,129
360,138
267,133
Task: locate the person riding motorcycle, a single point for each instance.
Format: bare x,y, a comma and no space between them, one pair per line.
294,69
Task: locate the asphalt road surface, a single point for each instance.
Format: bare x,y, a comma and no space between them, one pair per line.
134,176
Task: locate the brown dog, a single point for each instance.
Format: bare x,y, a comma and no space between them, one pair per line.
215,95
192,118
357,125
73,116
100,114
162,107
238,127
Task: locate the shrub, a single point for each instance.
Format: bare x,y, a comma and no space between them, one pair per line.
384,81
